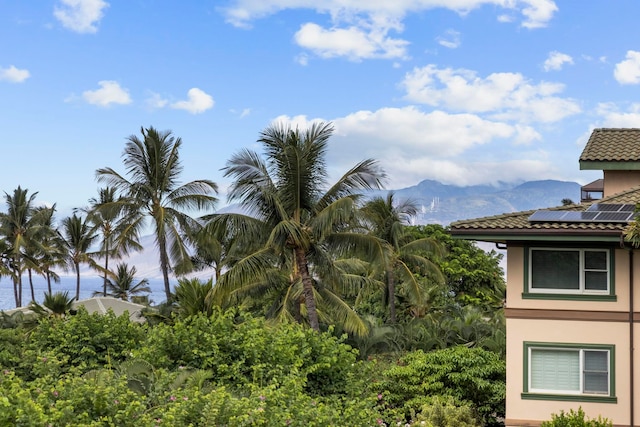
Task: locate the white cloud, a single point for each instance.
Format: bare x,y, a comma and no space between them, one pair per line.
198,102
503,95
360,29
156,101
536,13
556,60
13,74
628,71
81,16
450,39
245,112
109,93
354,43
613,117
412,145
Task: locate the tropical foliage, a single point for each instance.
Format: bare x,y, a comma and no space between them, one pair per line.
154,191
324,307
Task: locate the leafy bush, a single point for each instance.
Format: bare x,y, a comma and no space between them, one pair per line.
470,376
575,419
246,350
444,412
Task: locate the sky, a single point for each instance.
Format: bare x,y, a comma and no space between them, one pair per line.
459,91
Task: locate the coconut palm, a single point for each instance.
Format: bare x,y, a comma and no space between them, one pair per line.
58,304
18,225
120,284
78,237
403,256
295,218
108,215
153,191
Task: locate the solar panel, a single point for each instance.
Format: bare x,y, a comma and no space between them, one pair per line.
582,216
612,207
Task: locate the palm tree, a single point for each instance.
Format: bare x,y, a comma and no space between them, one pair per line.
287,201
78,236
107,213
51,251
17,227
121,284
404,256
55,305
153,165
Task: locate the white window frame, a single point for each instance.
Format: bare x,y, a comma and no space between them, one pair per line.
581,289
581,371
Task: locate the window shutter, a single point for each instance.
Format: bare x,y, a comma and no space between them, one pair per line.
553,369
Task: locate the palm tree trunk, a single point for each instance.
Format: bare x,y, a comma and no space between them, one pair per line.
164,265
15,292
49,281
106,267
77,266
307,289
391,287
33,294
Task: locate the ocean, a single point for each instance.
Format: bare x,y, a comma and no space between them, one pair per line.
88,285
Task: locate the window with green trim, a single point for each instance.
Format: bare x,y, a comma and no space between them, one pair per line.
569,271
582,371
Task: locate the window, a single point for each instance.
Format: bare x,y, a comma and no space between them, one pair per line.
569,271
569,372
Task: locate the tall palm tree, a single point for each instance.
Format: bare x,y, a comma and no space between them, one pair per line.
51,251
109,217
287,200
121,284
153,191
17,227
78,236
404,256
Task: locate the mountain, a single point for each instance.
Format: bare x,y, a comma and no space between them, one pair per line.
443,204
440,204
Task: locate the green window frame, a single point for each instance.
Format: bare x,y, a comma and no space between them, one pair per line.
569,273
573,372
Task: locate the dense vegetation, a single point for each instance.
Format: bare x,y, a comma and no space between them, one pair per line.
327,307
231,368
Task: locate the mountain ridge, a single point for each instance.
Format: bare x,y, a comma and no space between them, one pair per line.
439,204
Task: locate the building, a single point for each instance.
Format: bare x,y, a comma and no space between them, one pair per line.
573,293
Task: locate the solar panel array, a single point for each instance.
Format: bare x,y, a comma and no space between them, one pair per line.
598,212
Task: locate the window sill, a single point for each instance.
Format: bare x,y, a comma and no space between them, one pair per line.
569,397
569,297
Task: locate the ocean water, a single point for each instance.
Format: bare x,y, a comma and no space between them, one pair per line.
88,285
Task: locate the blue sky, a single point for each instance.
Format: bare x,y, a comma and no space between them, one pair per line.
460,91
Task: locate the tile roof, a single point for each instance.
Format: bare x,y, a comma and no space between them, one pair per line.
612,145
510,225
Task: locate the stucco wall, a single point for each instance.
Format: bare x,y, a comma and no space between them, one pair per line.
551,331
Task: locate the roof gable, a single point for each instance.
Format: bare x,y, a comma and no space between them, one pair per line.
612,149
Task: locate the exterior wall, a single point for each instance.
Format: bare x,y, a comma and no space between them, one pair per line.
516,281
616,181
521,411
572,322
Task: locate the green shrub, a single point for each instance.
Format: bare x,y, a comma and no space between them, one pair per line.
83,342
242,350
575,419
444,412
470,376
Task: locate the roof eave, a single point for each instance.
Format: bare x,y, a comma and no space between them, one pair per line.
504,235
598,165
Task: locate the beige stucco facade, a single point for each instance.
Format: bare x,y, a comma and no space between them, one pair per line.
616,181
571,322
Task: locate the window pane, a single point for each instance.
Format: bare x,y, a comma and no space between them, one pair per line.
595,281
596,368
555,370
595,260
555,269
